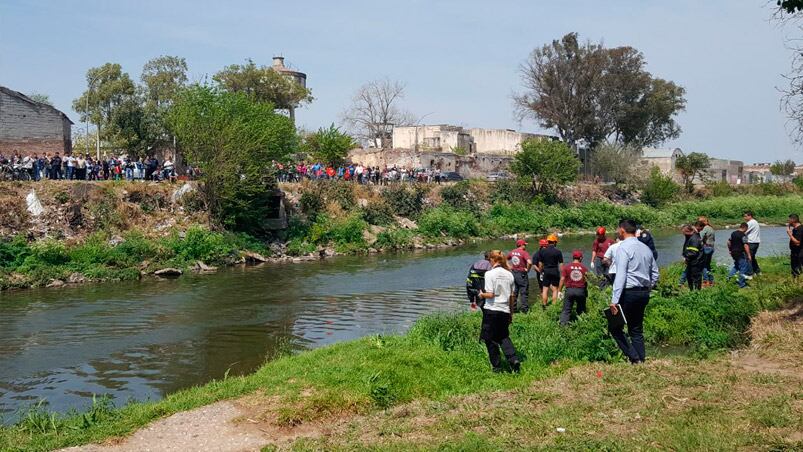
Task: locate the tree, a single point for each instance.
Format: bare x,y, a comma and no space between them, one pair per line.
783,168
546,163
108,88
163,77
264,84
659,188
589,93
692,166
374,112
329,145
133,128
41,98
617,163
233,138
790,6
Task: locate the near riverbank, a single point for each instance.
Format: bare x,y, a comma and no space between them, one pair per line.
59,232
432,387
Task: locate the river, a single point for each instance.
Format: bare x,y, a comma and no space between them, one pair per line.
142,340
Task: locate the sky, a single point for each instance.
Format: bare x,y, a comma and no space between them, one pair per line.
459,59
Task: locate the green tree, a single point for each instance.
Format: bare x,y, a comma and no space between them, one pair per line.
133,128
162,77
589,93
41,98
263,84
329,145
659,188
783,168
546,163
790,6
108,88
613,162
692,166
234,139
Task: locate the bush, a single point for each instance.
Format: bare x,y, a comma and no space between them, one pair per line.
404,200
446,221
461,196
721,189
512,191
340,231
378,213
315,196
13,252
659,189
201,244
394,239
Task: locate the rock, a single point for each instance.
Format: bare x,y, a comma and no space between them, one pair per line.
368,236
169,272
296,260
34,205
56,283
180,192
362,202
116,240
203,268
252,257
76,278
144,264
406,223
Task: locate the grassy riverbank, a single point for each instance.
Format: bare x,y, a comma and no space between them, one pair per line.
440,371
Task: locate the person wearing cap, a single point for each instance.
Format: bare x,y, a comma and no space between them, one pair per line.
550,264
636,275
520,264
541,245
573,278
598,249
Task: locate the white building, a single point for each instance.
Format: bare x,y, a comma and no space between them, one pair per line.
447,138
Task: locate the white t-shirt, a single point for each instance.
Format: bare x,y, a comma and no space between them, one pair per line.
753,231
499,282
70,160
609,254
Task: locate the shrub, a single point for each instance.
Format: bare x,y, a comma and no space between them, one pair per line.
394,239
201,244
461,196
404,200
516,217
659,188
720,189
340,231
446,221
13,252
378,213
511,191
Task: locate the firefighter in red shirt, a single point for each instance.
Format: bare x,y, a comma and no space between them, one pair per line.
598,249
573,278
520,264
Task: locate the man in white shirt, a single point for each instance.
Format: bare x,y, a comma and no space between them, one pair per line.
753,239
497,313
608,258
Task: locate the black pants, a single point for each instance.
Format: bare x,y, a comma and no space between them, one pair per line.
794,260
632,303
521,290
753,250
694,275
496,335
573,295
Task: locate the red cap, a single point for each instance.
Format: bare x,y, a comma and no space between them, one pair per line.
600,231
521,242
577,254
543,243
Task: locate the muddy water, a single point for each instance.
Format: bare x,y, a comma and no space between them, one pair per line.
142,340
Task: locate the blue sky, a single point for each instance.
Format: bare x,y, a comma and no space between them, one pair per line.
459,59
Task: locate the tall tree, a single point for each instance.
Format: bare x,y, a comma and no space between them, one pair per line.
692,166
263,84
162,78
329,145
546,163
375,110
108,88
590,93
783,168
618,163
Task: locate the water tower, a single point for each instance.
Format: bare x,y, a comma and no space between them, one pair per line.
296,76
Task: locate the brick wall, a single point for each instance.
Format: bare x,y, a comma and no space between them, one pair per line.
28,128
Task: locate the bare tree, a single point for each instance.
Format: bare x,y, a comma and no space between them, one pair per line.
792,94
374,112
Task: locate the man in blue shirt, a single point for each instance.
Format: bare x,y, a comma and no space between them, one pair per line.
636,275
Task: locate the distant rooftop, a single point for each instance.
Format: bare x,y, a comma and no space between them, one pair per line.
655,153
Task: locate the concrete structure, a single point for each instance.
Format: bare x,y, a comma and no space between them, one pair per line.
29,126
474,165
296,76
664,159
447,138
730,171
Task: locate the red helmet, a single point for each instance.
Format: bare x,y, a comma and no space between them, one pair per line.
577,254
601,230
543,243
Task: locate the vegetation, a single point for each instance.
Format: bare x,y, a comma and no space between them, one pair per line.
783,168
234,139
330,146
440,359
375,110
692,166
547,164
616,163
659,188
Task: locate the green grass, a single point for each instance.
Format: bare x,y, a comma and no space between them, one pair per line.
440,357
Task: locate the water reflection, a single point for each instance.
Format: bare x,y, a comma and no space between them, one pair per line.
144,340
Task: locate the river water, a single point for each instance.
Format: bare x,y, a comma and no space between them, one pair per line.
142,340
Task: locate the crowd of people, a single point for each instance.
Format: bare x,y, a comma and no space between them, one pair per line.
78,166
356,172
498,284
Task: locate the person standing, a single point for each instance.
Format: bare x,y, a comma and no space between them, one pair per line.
636,275
550,264
520,264
753,240
644,236
497,314
598,250
573,278
740,252
795,232
610,261
693,255
709,242
55,167
538,276
475,281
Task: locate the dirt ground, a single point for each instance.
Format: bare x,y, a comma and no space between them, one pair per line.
775,356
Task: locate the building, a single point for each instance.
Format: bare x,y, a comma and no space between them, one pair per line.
664,159
291,74
28,126
730,171
448,138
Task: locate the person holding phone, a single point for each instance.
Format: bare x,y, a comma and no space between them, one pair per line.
795,232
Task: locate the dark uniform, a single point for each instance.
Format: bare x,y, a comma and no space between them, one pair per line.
695,260
794,251
551,258
475,282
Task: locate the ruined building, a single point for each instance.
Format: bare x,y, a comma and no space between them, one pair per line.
29,126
